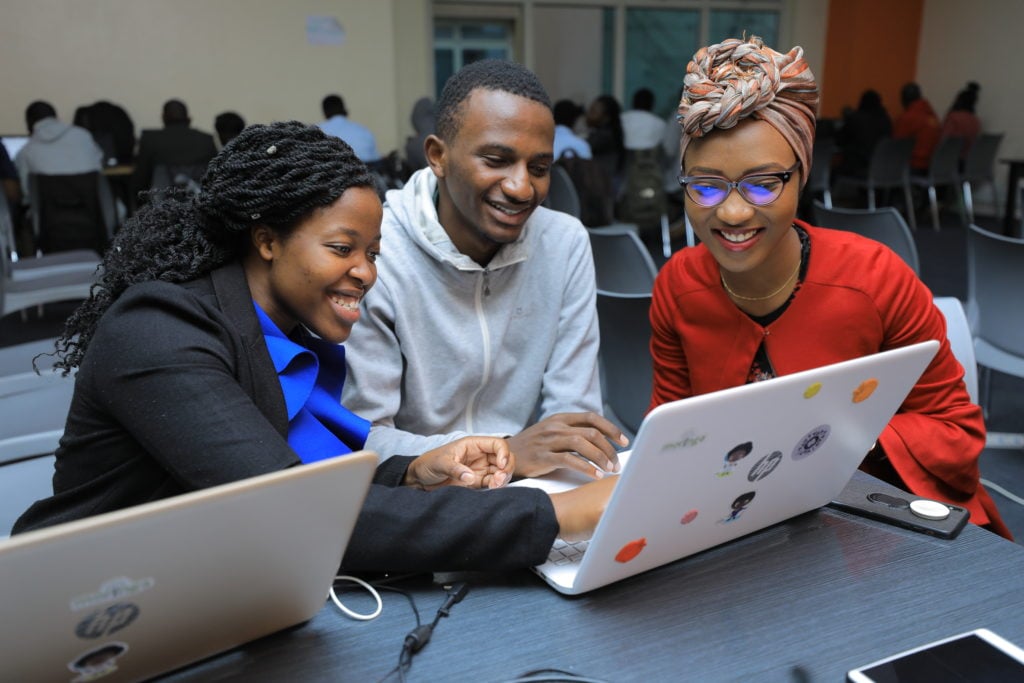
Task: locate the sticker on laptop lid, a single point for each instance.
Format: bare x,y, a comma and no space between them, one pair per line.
735,454
689,517
98,662
812,391
738,506
811,442
631,550
107,621
864,390
687,439
113,589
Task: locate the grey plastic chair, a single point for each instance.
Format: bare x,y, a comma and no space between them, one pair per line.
562,194
72,211
944,171
34,406
621,261
883,225
979,169
995,276
889,169
820,180
627,368
958,331
20,267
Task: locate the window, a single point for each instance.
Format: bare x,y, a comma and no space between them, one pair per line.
461,42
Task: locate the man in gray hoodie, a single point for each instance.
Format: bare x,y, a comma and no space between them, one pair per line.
483,319
55,148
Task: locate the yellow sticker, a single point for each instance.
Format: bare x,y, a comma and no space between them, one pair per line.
812,390
866,388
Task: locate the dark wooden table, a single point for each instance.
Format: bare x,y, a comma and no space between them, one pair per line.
805,600
1010,225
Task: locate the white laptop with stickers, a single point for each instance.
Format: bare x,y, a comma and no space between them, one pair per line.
711,468
128,595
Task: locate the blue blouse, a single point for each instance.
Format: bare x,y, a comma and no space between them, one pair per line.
312,375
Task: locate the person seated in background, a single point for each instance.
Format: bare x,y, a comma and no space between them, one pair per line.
917,121
765,294
605,137
112,128
566,114
861,132
209,352
228,125
176,144
962,122
359,137
423,123
484,320
641,128
54,147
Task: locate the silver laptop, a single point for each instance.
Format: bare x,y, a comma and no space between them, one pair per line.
711,468
127,595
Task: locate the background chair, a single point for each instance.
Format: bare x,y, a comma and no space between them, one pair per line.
627,369
34,405
21,268
71,211
958,331
820,180
979,169
995,277
889,169
562,194
883,225
943,171
621,261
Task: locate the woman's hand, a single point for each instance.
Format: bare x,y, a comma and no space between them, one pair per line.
579,510
473,462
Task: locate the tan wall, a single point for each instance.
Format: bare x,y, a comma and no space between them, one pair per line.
248,55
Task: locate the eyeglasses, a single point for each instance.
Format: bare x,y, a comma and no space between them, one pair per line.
759,189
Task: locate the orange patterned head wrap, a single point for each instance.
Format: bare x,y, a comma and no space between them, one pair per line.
736,79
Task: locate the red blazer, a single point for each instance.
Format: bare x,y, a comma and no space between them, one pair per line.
919,121
858,298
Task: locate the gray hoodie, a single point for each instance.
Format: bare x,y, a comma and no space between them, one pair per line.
447,347
57,148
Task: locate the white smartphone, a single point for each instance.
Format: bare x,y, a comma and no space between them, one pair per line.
978,656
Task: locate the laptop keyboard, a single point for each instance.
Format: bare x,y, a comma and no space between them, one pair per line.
565,553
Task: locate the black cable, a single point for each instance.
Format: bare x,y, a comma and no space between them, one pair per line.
417,638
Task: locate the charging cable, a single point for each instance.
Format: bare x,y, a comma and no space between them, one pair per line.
349,613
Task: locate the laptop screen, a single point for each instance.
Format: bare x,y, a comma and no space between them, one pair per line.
14,143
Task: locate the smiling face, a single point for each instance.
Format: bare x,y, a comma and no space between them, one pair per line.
494,172
754,245
317,275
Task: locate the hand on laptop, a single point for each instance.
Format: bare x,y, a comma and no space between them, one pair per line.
580,509
473,462
559,441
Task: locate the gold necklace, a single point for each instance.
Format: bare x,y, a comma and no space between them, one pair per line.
767,296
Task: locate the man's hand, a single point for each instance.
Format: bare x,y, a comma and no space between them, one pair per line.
473,462
577,441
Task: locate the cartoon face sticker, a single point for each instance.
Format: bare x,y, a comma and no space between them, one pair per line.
738,506
765,466
864,390
688,517
812,391
97,663
811,442
630,550
735,454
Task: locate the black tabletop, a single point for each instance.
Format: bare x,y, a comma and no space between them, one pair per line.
805,600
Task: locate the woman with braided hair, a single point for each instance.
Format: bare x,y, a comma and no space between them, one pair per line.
765,294
210,351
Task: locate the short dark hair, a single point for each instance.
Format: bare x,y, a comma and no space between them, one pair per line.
175,111
37,111
910,92
228,125
643,99
334,105
566,113
489,74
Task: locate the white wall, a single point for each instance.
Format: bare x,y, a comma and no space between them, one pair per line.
248,55
974,41
567,52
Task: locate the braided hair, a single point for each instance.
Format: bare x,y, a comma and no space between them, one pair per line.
275,175
489,74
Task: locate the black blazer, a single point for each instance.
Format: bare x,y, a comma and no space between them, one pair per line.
177,392
176,145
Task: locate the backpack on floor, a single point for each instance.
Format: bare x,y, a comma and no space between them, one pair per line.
642,201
